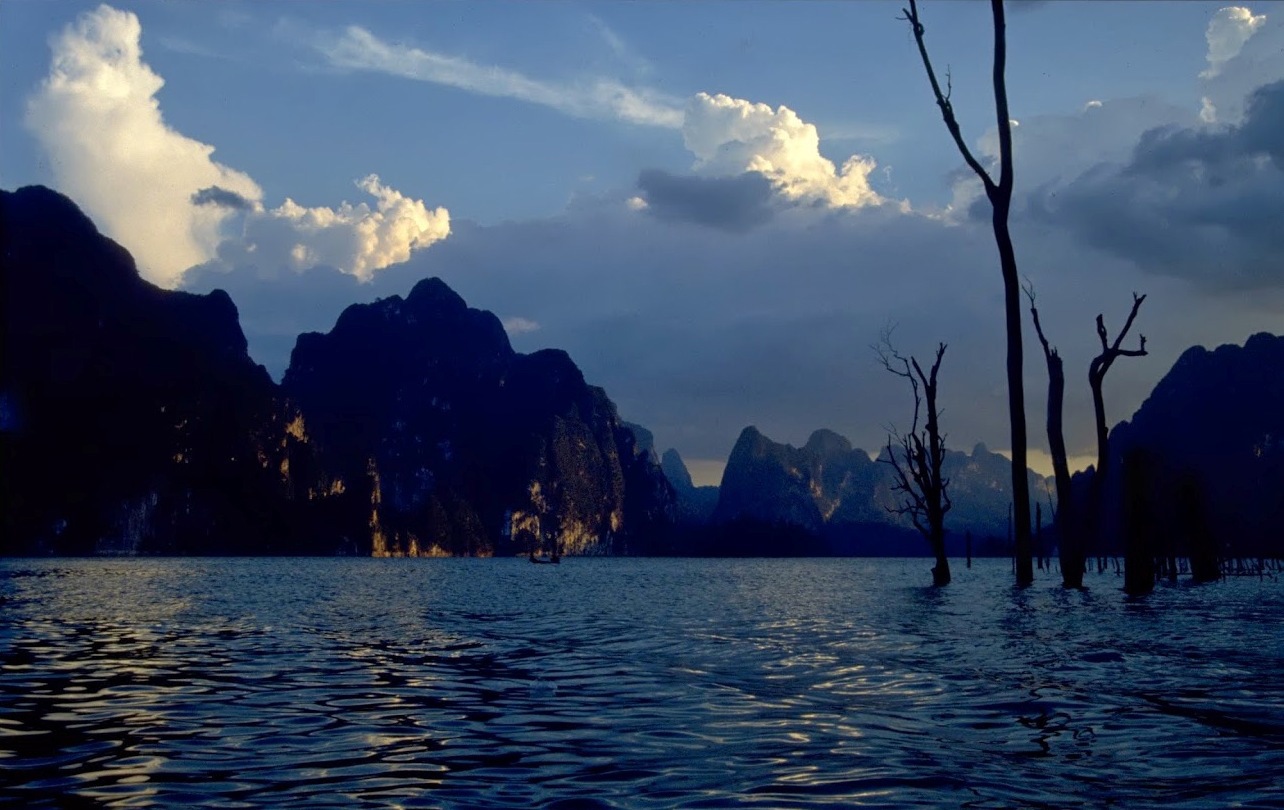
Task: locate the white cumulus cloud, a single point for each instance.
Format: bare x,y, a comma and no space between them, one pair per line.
97,117
1227,32
357,239
731,136
162,195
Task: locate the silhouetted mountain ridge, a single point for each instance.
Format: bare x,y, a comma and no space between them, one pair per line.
134,420
1208,450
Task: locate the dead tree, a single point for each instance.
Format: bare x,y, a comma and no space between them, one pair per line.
1096,377
917,471
1069,534
999,194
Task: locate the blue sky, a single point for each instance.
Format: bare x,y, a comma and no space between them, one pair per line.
605,177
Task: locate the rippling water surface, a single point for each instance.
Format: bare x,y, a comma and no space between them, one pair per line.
630,683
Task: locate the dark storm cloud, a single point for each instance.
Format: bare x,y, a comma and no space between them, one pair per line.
222,198
731,203
1197,203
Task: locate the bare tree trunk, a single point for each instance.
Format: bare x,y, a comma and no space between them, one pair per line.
1096,378
1201,545
938,500
1016,377
1073,558
1000,196
1068,530
1139,560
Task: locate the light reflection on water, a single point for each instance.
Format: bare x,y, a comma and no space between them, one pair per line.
630,683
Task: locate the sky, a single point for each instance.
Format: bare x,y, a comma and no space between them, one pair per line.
714,207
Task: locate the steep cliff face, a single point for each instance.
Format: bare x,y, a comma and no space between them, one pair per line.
768,482
828,487
463,446
844,480
1207,452
695,504
132,420
981,490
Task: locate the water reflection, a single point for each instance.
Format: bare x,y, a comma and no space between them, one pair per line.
629,683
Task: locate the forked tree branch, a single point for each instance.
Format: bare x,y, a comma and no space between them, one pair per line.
1110,352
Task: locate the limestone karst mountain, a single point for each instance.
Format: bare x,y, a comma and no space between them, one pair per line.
695,504
133,421
464,446
831,489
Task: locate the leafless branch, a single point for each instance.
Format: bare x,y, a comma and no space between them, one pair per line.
1049,351
1096,377
916,457
1110,352
910,15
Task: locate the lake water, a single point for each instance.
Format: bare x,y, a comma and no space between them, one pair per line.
630,683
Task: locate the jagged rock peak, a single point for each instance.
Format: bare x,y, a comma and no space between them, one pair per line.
675,469
750,439
435,295
827,444
31,203
45,222
643,440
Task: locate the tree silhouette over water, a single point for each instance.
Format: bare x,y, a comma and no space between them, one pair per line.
999,194
1075,525
1068,534
1097,369
917,472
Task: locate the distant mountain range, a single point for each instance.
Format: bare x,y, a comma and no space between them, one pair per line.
133,421
836,492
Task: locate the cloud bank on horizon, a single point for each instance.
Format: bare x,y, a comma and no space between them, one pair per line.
745,288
